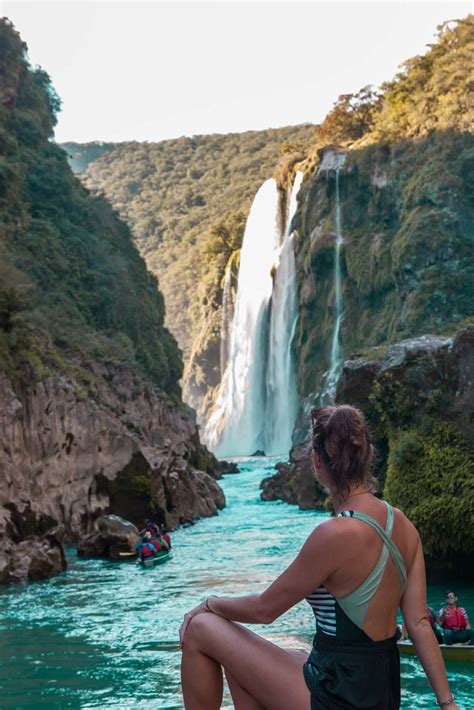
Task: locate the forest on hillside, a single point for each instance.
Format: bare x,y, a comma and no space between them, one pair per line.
174,192
73,287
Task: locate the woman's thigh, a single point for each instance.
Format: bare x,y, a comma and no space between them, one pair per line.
272,675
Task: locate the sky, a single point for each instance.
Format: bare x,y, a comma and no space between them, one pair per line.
156,70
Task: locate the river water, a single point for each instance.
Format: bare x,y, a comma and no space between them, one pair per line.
105,635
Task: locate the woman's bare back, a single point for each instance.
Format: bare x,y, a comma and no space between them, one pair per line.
356,548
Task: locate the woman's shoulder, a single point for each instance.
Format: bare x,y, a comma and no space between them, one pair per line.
405,522
375,509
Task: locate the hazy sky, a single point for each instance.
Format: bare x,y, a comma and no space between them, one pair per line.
154,70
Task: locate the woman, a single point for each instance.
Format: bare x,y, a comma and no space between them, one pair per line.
355,570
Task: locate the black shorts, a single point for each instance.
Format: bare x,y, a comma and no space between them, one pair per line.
353,675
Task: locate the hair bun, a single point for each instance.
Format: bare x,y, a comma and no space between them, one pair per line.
342,440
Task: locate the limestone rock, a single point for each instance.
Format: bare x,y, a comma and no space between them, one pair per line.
112,536
294,482
332,158
226,467
425,366
33,558
67,459
46,560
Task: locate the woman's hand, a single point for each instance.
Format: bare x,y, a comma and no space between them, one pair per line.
199,609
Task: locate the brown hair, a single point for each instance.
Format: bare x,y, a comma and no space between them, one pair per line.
342,439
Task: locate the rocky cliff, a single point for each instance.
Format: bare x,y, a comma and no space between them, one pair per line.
407,264
65,461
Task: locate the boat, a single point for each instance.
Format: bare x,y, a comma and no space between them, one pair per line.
456,652
156,560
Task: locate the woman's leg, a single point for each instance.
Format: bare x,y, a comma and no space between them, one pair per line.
242,699
448,637
260,671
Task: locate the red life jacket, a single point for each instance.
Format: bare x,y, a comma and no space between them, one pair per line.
454,619
167,539
157,545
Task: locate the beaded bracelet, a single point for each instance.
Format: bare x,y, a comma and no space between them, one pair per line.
447,702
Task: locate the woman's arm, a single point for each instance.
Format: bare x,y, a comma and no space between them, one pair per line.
313,564
441,617
413,606
468,623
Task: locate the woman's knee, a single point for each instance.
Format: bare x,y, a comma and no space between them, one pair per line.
199,629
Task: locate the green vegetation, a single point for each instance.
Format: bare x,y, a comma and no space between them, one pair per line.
352,117
430,93
73,288
430,476
430,464
406,211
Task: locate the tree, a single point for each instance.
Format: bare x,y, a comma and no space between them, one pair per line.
352,116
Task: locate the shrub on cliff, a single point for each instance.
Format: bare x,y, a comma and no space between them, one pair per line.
352,116
430,92
430,476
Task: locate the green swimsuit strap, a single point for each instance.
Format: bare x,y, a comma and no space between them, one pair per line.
389,545
356,604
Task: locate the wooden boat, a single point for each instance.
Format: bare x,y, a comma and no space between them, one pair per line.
154,561
456,652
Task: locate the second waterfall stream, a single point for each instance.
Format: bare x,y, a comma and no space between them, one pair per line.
257,403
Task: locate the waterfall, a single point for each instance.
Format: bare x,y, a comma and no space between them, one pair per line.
336,352
256,404
281,394
226,318
293,201
235,427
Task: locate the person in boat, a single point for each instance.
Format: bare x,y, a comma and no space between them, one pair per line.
431,616
454,621
355,570
145,547
160,543
165,537
150,527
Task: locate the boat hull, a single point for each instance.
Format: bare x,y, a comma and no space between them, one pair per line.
457,652
154,561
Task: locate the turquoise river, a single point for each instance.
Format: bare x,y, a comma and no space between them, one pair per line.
105,635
